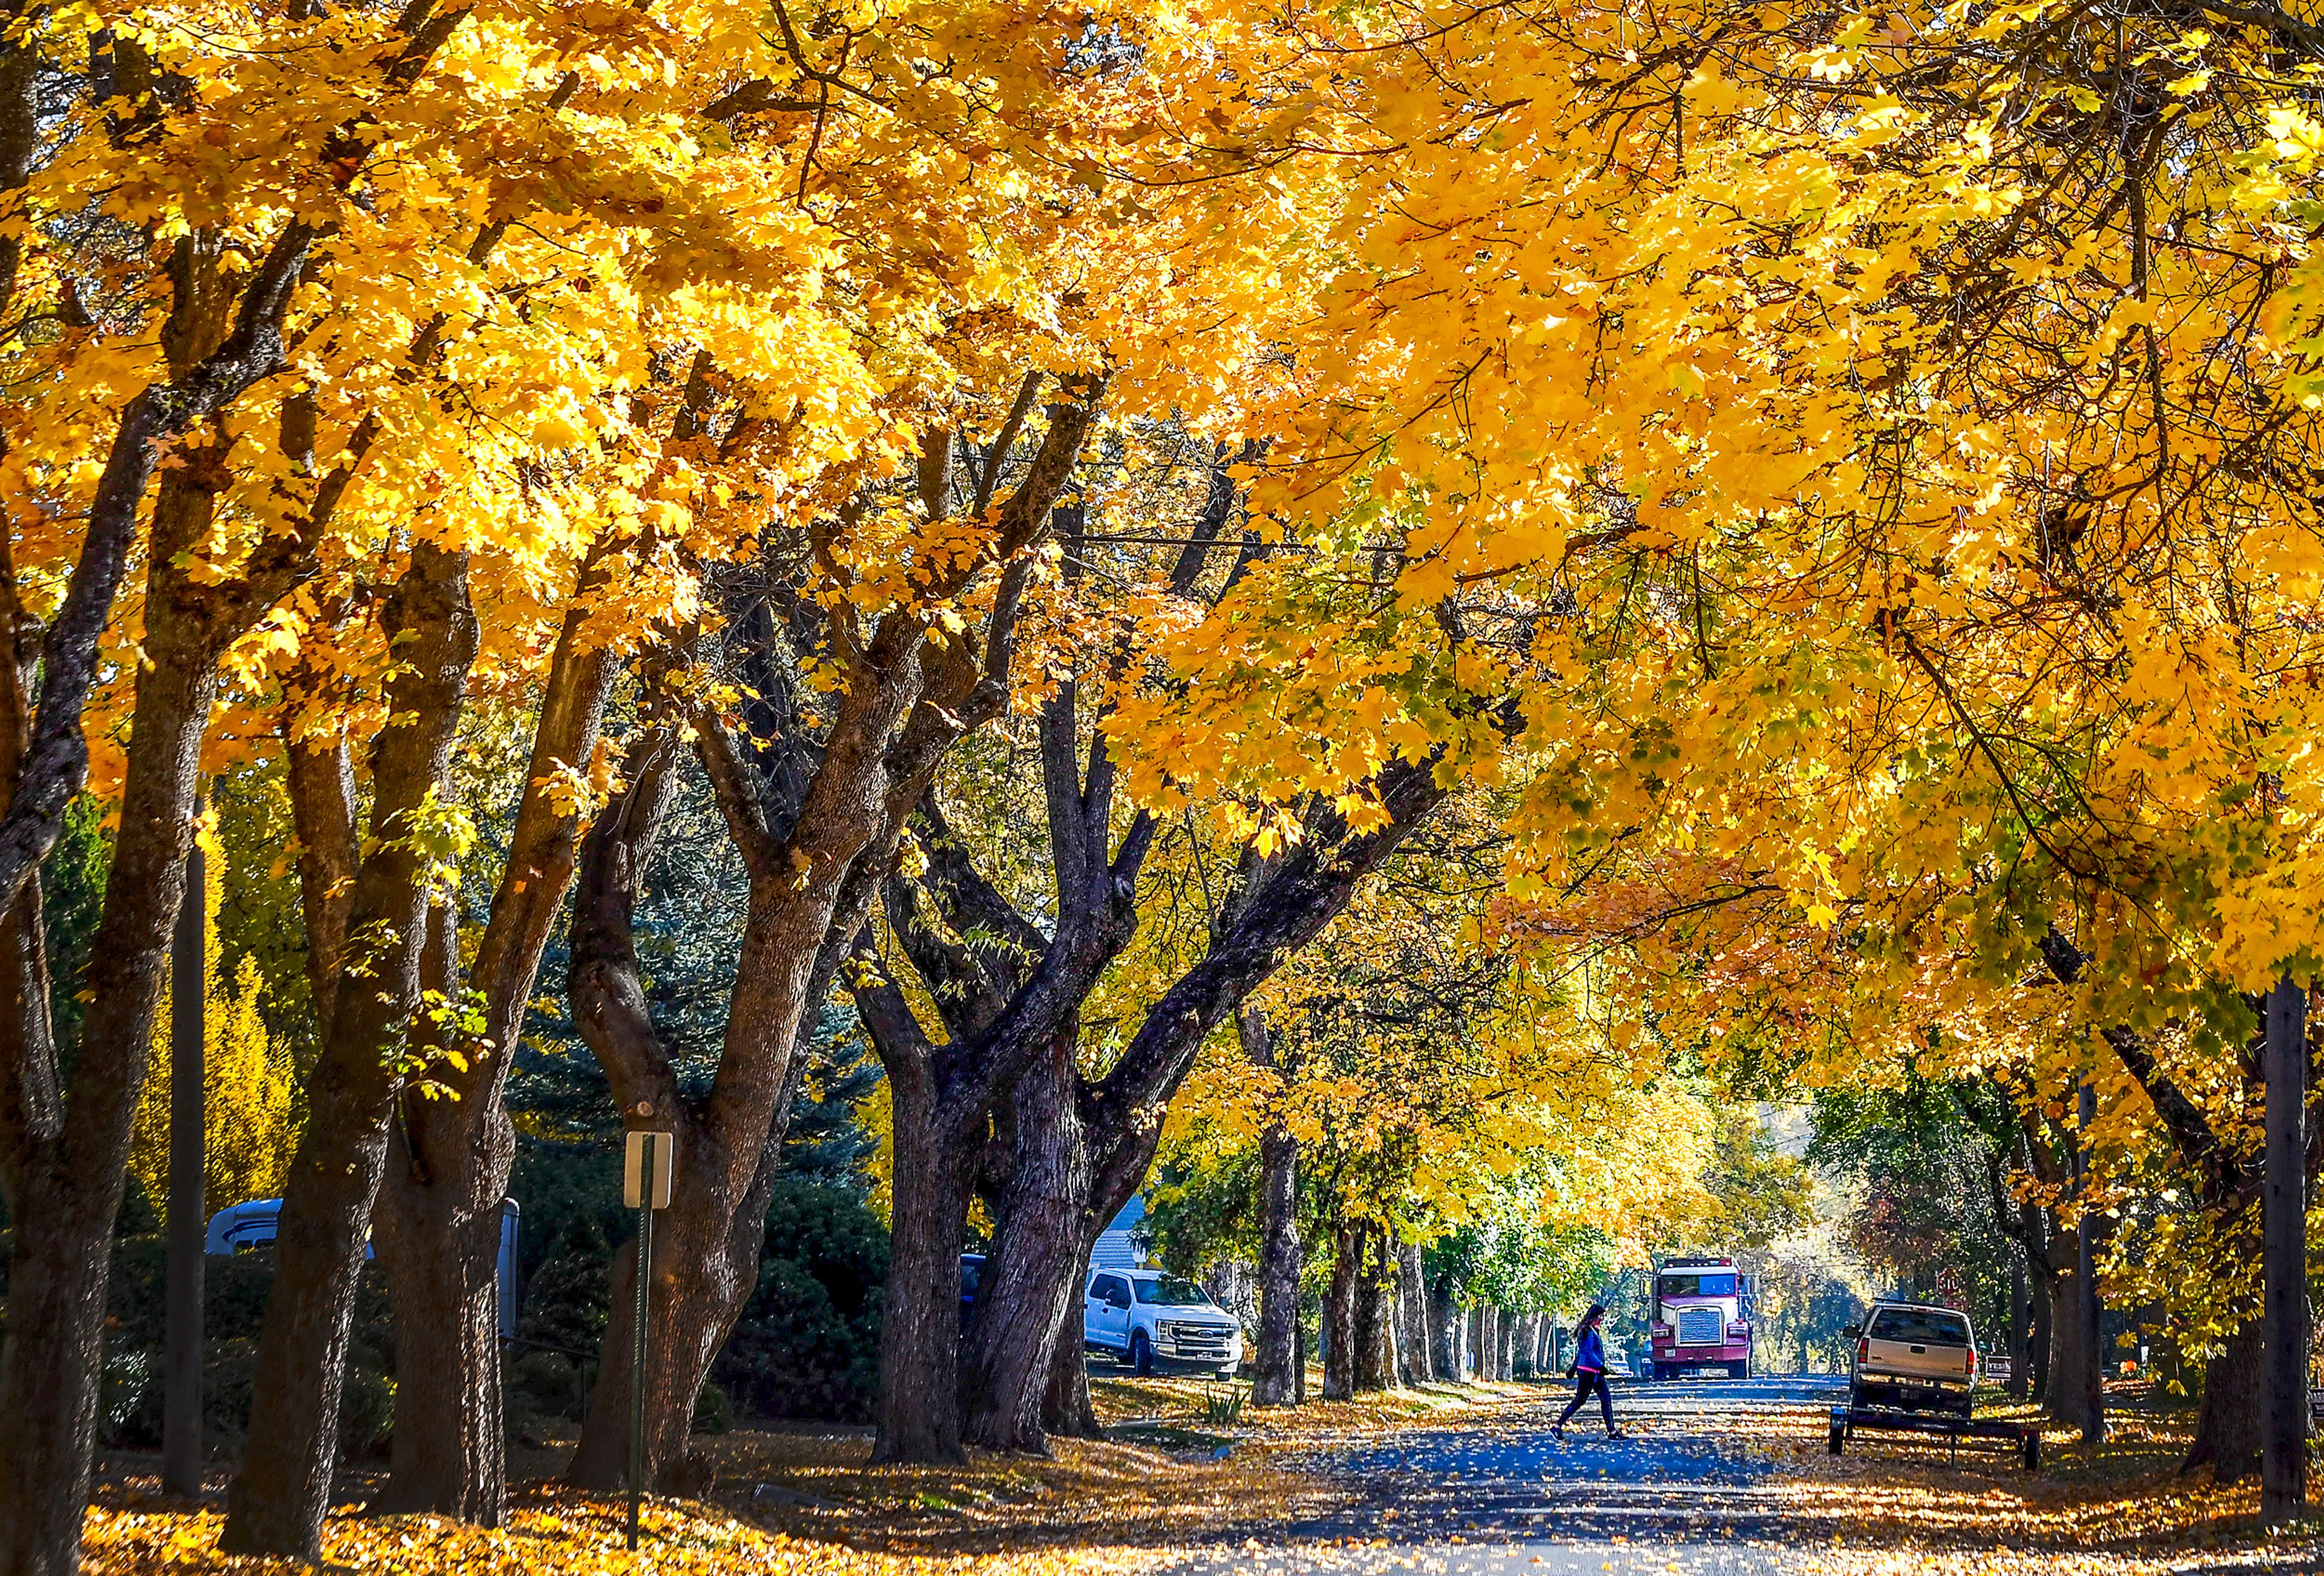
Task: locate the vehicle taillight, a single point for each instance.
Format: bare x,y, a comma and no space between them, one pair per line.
1863,1348
1972,1362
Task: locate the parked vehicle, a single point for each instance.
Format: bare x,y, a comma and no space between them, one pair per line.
1701,1319
1147,1320
1912,1357
244,1228
1618,1364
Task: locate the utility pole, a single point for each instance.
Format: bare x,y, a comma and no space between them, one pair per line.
182,1359
2091,1382
2283,1211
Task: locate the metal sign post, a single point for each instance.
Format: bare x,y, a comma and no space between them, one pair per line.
645,1188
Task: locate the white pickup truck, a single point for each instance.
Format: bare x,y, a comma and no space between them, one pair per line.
1910,1356
1147,1320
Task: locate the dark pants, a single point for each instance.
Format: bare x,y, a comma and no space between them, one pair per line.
1588,1377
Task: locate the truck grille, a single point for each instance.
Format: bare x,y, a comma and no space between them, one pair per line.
1701,1326
1197,1340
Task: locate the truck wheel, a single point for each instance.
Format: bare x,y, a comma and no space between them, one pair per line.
2029,1455
1739,1371
1837,1437
1141,1354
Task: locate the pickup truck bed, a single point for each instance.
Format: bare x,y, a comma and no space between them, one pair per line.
1915,1358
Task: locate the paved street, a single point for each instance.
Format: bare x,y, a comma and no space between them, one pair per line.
1516,1498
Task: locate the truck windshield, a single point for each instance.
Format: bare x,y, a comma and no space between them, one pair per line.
1718,1285
1170,1292
1929,1326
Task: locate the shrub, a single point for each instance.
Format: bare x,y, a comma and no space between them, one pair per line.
808,1344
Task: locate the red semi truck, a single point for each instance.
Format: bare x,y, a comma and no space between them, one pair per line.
1701,1318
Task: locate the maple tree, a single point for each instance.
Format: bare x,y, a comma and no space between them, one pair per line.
1836,483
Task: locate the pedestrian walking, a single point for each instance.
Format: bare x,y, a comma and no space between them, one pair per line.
1588,1370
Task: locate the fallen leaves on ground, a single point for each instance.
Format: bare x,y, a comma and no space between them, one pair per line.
807,1499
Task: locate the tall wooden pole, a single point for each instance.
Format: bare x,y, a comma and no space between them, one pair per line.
181,1357
2283,1210
2091,1382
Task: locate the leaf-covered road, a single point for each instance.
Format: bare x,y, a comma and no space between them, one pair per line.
1673,1495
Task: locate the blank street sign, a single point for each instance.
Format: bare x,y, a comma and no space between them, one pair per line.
633,1171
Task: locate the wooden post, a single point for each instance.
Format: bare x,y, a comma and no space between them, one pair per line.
182,1353
2091,1381
2283,1459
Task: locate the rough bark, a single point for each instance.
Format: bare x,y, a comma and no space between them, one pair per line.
278,1499
2228,1429
64,1148
2285,1309
1024,1316
320,778
1284,903
1066,1410
1413,1321
2067,1366
1373,1325
1274,1371
438,1221
918,1401
1339,1312
67,1153
708,1241
1445,1346
2043,1336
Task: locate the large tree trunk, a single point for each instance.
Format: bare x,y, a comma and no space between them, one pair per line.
64,1143
440,1253
1374,1331
1446,1344
1026,1308
280,1495
706,1250
813,845
2065,1371
919,1402
437,1222
2227,1430
1274,1369
1067,1411
64,1195
447,1455
1413,1315
2044,1339
1287,903
1340,1314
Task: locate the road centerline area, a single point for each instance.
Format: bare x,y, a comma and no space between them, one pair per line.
1666,1496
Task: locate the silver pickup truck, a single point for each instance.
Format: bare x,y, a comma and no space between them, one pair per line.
1913,1358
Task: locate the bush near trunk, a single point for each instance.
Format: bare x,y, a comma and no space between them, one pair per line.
234,1304
808,1344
